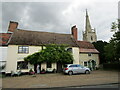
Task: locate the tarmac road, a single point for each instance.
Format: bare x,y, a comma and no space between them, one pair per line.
112,86
97,78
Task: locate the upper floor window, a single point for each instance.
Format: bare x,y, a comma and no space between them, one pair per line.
69,50
89,54
23,49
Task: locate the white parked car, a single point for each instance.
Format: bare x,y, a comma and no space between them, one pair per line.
75,68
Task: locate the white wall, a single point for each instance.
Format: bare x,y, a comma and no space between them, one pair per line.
3,56
75,51
14,56
3,53
84,57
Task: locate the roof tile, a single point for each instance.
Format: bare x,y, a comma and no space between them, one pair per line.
4,37
24,37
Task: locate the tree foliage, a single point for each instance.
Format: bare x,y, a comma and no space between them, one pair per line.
112,50
99,45
109,52
51,53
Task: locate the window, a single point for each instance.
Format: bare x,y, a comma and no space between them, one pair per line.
49,65
78,65
73,66
91,38
85,63
23,49
89,54
69,50
22,65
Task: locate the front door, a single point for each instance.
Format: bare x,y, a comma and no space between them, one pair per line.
92,64
59,67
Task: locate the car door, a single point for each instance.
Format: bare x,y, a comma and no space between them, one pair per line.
73,68
80,69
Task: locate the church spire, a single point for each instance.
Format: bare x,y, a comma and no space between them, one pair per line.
88,25
89,34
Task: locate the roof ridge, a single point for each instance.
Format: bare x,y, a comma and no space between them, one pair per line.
42,32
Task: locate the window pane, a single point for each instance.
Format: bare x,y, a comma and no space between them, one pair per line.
69,49
89,54
78,65
22,65
85,63
49,65
23,49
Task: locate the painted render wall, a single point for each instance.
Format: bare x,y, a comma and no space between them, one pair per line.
75,55
14,56
84,57
3,57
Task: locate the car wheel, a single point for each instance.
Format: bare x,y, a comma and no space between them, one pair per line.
70,72
87,72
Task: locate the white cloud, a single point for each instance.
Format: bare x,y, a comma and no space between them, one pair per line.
59,16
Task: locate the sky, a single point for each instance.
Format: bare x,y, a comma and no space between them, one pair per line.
60,15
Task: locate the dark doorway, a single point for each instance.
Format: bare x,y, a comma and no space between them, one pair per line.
59,67
93,64
35,67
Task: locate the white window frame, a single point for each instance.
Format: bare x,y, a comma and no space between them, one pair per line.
23,49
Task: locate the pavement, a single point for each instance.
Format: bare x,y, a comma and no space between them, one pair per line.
98,77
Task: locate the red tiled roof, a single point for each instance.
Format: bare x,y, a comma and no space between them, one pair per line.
83,50
86,47
4,37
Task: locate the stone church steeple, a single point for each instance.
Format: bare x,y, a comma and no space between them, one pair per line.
89,34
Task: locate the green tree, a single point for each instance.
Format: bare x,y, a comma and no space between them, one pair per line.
99,45
109,52
114,45
51,53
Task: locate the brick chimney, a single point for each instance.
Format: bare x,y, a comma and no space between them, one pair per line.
12,26
74,32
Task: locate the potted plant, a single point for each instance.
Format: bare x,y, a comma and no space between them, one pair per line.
43,71
31,72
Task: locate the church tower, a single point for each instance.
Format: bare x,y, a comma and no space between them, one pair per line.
89,34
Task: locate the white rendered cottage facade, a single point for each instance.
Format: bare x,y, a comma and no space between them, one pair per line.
24,43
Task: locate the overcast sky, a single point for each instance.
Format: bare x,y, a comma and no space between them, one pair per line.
54,16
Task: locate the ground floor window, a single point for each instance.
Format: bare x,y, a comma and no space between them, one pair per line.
85,63
49,65
22,65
